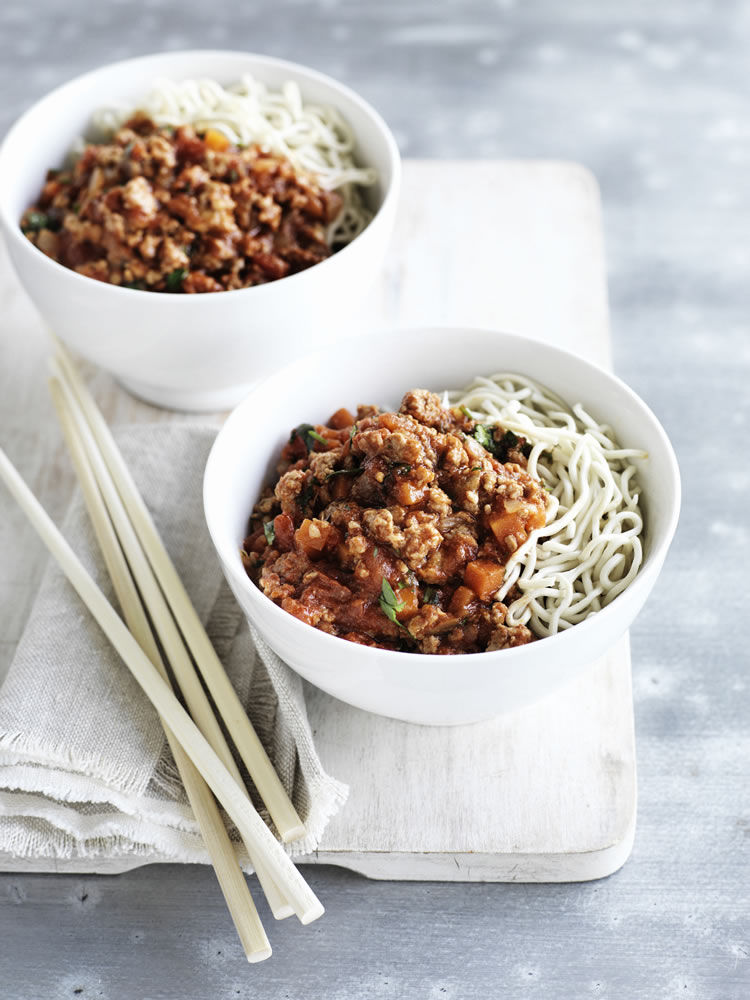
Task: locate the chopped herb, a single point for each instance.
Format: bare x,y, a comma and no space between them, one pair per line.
402,467
389,612
389,603
403,585
476,468
175,279
483,435
352,432
269,532
35,221
344,472
307,495
133,284
389,595
430,595
375,551
465,411
307,435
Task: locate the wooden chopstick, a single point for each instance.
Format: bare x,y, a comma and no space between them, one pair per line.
172,642
251,750
214,833
251,827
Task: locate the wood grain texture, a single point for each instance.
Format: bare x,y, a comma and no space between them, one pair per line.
543,794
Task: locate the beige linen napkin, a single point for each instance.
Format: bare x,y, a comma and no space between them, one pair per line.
85,771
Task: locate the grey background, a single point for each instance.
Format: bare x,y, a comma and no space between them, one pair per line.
653,97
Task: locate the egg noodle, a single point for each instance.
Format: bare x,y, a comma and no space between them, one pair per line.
314,137
590,547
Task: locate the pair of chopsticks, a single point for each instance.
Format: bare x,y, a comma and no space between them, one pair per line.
148,587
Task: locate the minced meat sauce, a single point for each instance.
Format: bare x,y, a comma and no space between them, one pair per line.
393,529
168,210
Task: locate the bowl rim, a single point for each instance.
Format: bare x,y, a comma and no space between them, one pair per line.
562,640
390,194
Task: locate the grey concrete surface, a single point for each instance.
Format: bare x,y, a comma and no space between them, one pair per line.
653,97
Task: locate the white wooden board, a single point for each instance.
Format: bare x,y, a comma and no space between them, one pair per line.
544,794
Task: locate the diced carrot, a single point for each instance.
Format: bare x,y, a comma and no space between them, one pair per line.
341,418
517,524
312,535
461,601
410,603
504,524
283,527
485,577
407,493
537,518
216,140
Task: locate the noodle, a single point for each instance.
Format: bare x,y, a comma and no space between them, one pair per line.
590,548
315,138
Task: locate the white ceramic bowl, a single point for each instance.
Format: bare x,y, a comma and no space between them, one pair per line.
427,688
195,352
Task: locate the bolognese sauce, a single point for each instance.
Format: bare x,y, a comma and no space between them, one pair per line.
170,210
393,529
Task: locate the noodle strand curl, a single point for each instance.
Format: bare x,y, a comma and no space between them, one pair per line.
590,548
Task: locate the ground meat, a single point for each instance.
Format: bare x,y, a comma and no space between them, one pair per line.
393,529
172,211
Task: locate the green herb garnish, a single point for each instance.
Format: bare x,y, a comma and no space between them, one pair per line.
465,411
430,595
133,284
307,495
268,531
175,279
36,221
307,435
483,434
344,472
389,603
